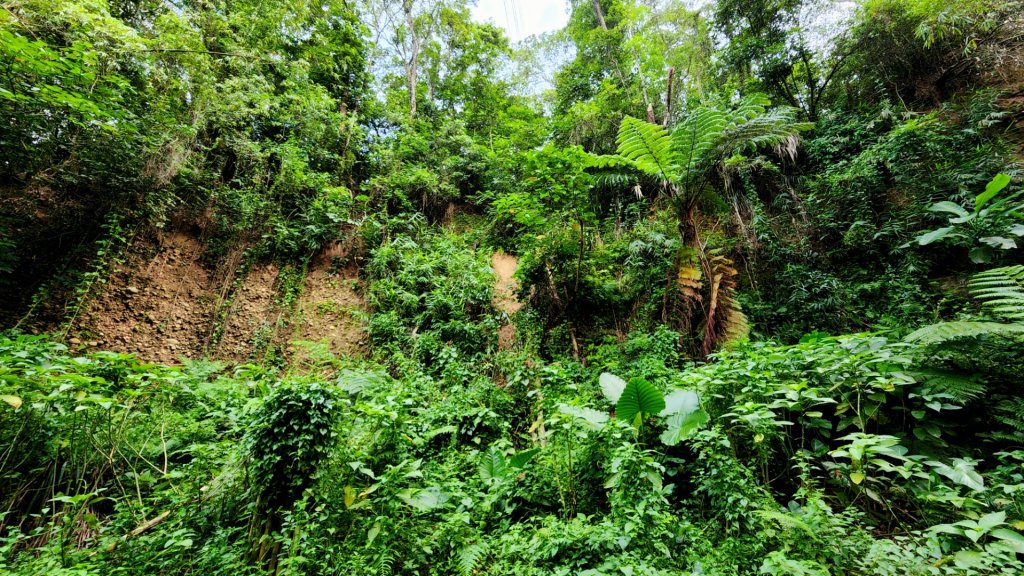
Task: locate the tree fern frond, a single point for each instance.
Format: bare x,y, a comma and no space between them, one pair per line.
948,331
769,129
725,321
647,146
607,161
1001,290
752,106
962,388
614,179
696,137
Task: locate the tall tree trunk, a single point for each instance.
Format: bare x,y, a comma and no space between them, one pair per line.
411,67
599,14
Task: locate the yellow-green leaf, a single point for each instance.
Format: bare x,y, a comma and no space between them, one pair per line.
11,399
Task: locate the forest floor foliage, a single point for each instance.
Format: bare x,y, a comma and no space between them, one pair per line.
364,288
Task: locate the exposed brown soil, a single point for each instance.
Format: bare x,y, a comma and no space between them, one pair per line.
504,300
249,321
505,284
326,312
162,305
157,305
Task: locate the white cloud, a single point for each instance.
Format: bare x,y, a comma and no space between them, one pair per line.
522,18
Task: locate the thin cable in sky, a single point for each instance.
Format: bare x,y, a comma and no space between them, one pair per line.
512,16
518,14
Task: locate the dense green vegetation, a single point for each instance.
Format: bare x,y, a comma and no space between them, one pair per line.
770,304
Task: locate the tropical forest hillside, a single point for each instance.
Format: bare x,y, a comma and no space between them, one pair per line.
362,287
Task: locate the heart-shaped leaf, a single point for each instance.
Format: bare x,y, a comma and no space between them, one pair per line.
683,425
590,418
493,465
680,401
425,499
612,386
999,242
638,398
523,458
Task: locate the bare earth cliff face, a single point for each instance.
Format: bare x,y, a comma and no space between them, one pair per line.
164,304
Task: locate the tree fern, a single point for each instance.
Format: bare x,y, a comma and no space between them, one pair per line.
696,137
709,138
1001,291
647,146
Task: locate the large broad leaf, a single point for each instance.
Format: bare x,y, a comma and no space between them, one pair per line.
638,398
590,418
999,242
493,465
423,499
961,471
612,386
981,254
968,559
991,520
682,425
680,401
994,187
523,458
1010,537
950,208
934,235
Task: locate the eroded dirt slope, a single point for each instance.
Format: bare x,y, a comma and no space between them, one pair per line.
327,310
162,304
157,305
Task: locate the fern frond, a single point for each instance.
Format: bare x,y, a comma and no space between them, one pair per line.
384,563
696,137
725,321
1001,290
470,557
961,388
751,106
787,521
948,331
1010,412
769,129
647,146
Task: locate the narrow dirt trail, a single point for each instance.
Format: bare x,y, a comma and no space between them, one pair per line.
504,300
505,284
